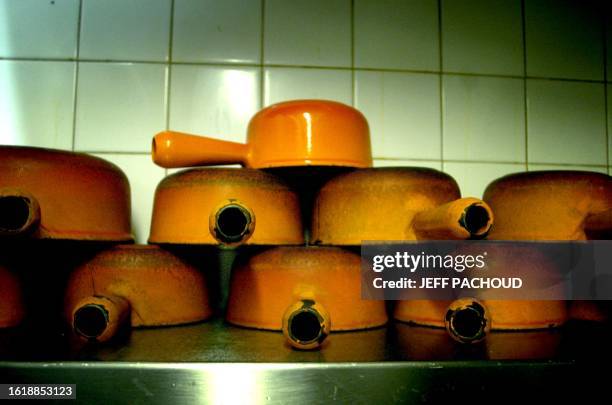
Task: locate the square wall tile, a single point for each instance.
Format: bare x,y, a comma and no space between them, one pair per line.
308,32
137,30
282,84
473,178
36,103
143,176
214,101
403,110
120,106
564,39
484,119
598,169
396,34
217,31
38,29
431,164
482,36
608,25
566,122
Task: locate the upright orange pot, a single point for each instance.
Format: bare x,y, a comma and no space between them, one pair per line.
399,203
303,291
52,194
137,285
292,133
226,206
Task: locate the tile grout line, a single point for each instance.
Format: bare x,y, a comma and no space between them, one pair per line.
525,100
169,68
440,85
605,86
352,45
262,30
76,75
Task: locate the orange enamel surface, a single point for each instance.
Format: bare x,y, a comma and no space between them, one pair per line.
420,343
12,309
292,133
187,203
553,205
383,203
547,205
160,288
80,197
264,286
505,314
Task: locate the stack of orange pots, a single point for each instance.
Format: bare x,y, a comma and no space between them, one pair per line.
313,287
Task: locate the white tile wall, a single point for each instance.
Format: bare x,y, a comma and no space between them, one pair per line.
281,84
535,167
38,29
394,34
564,39
473,178
403,110
308,32
124,102
484,118
432,164
227,31
566,122
213,100
36,103
482,36
476,88
135,30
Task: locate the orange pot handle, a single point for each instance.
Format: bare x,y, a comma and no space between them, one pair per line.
99,318
176,149
460,219
19,213
306,324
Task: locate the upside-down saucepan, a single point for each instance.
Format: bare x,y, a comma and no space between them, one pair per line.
304,291
52,194
226,206
396,203
133,285
554,205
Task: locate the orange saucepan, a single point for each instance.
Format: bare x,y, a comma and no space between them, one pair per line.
226,206
304,291
52,194
292,133
554,205
399,203
136,285
469,319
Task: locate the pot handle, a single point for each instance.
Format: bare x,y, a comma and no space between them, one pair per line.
19,213
599,223
99,318
467,320
464,218
176,149
306,324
